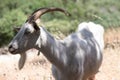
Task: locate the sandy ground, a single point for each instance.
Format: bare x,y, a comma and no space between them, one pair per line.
38,67
110,69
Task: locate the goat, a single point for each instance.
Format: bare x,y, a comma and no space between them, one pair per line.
77,57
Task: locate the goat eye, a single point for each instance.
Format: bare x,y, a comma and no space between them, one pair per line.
27,31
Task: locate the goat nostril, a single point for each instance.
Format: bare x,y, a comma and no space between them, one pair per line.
11,49
10,46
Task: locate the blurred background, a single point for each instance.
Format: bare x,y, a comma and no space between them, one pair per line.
14,13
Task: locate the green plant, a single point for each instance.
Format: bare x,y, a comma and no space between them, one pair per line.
14,13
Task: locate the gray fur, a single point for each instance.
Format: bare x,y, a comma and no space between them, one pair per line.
73,58
77,57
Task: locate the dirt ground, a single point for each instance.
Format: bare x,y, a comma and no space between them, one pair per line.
110,68
39,68
36,67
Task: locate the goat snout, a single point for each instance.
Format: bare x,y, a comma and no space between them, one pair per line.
13,48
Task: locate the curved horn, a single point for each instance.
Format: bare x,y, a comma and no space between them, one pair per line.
38,13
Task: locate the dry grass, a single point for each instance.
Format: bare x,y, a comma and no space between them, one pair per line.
112,38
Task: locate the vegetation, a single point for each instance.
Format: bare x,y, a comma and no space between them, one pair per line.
14,13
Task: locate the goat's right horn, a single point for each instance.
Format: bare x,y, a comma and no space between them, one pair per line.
38,13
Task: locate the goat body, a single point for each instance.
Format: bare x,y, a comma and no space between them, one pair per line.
77,57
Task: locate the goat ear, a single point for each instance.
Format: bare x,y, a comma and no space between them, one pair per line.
16,29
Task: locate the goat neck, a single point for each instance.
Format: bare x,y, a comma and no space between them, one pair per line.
51,48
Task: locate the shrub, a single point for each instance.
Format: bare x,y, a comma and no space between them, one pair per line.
14,13
7,23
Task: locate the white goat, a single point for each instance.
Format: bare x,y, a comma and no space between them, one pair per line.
77,57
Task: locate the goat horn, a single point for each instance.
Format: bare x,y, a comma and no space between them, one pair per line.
38,13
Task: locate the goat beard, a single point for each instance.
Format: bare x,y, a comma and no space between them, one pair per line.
22,61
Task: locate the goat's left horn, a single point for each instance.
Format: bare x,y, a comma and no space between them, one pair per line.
38,13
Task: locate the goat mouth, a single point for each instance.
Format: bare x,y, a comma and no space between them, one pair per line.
13,51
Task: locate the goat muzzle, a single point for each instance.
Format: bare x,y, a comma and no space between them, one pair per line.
12,49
